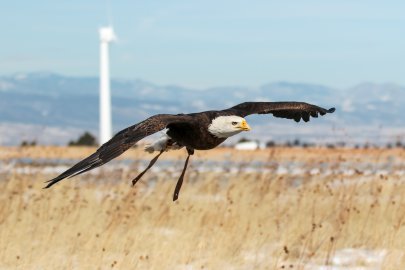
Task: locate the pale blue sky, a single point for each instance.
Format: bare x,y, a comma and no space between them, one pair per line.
211,43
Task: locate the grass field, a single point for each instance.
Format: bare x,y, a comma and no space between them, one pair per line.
331,209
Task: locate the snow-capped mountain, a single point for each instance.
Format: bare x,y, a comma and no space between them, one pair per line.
71,103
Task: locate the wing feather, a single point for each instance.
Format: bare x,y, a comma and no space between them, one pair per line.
120,143
289,110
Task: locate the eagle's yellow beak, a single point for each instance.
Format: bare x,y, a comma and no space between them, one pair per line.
244,126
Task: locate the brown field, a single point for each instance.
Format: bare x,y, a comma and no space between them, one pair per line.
236,219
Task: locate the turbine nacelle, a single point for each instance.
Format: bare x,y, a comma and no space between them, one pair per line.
107,34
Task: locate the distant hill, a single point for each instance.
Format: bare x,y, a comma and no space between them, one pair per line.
48,103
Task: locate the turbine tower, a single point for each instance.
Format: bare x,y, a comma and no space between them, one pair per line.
107,35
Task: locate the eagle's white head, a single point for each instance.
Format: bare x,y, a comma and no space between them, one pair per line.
227,126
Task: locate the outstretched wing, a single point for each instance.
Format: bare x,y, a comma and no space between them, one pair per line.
120,143
289,110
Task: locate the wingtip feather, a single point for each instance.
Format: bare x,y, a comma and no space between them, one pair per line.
49,185
331,110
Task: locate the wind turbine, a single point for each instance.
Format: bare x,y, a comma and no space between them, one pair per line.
107,35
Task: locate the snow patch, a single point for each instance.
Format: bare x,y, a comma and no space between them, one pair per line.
347,106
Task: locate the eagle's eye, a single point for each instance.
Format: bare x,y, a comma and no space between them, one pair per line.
234,123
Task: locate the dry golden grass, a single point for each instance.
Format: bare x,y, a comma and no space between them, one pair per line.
221,221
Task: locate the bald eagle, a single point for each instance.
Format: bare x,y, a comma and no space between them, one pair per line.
195,131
